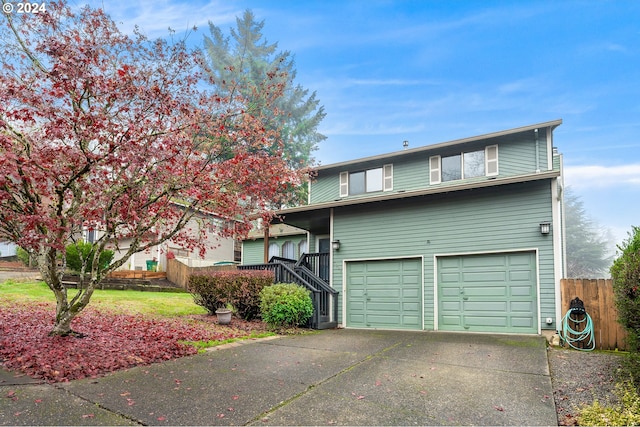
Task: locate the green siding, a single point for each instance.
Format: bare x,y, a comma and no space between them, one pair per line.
504,218
325,188
516,156
253,250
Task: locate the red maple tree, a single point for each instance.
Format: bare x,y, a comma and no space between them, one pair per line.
123,135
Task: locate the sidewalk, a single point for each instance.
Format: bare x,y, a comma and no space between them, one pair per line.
334,377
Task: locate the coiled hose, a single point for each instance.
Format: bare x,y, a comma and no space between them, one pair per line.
579,336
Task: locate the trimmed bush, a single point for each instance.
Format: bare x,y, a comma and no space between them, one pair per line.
626,287
83,252
238,288
285,304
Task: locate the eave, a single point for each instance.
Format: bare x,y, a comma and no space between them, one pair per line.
438,189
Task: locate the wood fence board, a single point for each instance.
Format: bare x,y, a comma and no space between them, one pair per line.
599,303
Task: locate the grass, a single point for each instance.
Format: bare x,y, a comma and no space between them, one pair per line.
161,304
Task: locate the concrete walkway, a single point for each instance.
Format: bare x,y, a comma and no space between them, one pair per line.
336,377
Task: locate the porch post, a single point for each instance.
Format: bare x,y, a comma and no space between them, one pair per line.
266,243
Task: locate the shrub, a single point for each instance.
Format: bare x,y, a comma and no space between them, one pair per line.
26,258
626,287
625,413
285,304
80,252
238,288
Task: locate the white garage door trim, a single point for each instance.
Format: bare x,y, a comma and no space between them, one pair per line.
504,251
344,281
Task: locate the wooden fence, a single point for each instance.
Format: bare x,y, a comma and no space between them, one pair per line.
179,273
597,295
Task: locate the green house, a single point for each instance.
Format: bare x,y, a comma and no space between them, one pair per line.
465,235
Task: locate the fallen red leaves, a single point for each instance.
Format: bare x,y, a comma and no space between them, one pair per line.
112,342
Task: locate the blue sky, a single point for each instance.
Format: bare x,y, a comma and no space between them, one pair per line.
434,71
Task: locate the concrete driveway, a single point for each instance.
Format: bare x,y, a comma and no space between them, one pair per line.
335,377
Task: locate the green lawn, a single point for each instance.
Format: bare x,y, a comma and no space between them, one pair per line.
165,304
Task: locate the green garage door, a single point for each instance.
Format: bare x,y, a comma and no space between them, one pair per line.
488,293
384,294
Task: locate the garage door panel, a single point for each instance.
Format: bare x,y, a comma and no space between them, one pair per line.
472,262
358,305
522,322
391,294
522,306
383,320
382,293
451,320
450,277
411,293
411,307
488,293
453,291
522,291
451,306
483,276
486,322
520,276
489,306
485,291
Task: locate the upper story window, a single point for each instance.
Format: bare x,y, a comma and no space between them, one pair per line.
366,181
465,165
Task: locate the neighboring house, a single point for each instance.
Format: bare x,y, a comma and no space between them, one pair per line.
7,249
284,241
465,235
220,250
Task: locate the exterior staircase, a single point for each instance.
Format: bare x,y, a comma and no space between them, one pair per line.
312,272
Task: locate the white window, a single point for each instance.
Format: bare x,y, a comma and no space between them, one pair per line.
289,250
274,250
366,181
302,247
470,164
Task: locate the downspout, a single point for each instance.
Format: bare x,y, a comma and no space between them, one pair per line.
537,151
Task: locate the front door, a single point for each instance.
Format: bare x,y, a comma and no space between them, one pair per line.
324,246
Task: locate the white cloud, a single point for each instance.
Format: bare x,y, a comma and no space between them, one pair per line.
602,176
155,18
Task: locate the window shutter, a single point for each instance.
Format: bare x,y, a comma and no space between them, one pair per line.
434,170
387,177
344,184
491,157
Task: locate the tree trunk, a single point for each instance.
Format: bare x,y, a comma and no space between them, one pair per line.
66,310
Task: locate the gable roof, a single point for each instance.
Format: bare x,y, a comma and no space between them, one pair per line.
412,151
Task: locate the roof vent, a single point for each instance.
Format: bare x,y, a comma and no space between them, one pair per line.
405,144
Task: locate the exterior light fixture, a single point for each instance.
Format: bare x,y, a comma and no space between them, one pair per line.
335,245
545,228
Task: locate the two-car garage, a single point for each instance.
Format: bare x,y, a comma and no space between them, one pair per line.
475,293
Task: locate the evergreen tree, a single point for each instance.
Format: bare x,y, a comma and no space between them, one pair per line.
243,62
586,243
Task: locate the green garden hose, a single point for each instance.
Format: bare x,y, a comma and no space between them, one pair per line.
579,336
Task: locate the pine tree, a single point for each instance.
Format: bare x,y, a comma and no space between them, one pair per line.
243,62
586,244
